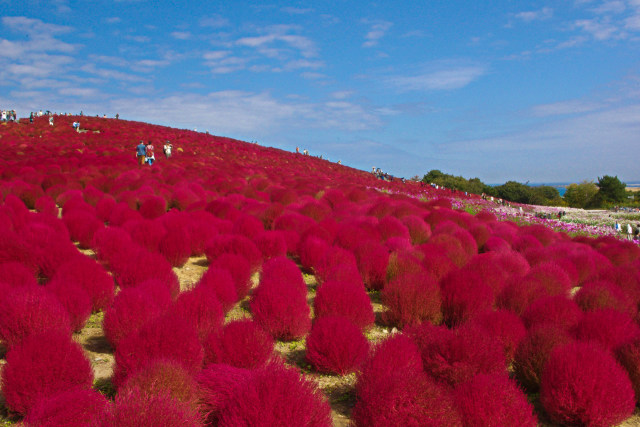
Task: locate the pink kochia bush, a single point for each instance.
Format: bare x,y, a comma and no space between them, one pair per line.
372,259
533,353
240,271
175,247
75,407
92,277
167,337
279,304
628,355
392,389
412,298
30,310
335,345
221,283
201,308
28,377
276,395
234,244
218,383
494,400
557,310
74,299
465,294
241,343
132,308
135,408
17,274
583,385
503,325
344,299
607,327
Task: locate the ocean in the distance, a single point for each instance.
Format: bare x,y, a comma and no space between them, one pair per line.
562,186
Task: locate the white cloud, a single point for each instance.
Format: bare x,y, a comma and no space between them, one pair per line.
215,21
181,35
377,30
564,108
536,15
440,76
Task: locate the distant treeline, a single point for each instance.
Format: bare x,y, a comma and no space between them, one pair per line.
607,192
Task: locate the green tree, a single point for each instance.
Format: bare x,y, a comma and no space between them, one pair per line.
432,175
581,195
611,190
514,192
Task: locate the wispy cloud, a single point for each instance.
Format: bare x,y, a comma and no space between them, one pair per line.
277,41
443,75
181,35
377,30
565,108
535,15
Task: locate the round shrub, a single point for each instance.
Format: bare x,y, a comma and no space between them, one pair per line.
335,345
419,231
552,278
152,207
281,272
504,326
628,355
164,377
47,206
557,310
435,261
137,265
82,226
533,353
201,308
221,283
403,262
132,308
17,275
599,294
372,259
175,247
241,343
276,395
28,377
75,407
234,244
137,409
455,356
218,383
464,296
311,250
493,400
30,310
239,269
146,233
271,243
410,299
344,299
91,277
609,328
583,385
167,337
74,299
405,400
519,293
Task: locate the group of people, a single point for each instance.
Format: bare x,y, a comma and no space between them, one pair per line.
145,152
8,116
382,175
633,233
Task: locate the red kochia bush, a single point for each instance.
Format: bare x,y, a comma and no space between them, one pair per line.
75,407
271,243
201,308
533,352
335,345
412,298
344,299
503,325
419,231
167,337
74,299
234,244
240,271
30,310
282,272
132,308
29,377
557,310
46,205
241,343
17,275
92,277
398,399
140,409
218,383
607,327
398,353
464,295
583,385
164,377
82,226
219,281
599,294
152,207
372,259
281,310
455,356
494,400
175,246
628,355
276,395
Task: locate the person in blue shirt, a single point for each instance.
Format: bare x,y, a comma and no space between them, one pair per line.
141,152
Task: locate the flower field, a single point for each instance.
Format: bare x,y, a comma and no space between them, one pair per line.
239,285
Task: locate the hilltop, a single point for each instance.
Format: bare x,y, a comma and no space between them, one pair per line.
246,278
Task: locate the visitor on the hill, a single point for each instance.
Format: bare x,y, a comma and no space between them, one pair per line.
167,149
629,232
297,150
50,120
76,126
141,152
149,154
31,118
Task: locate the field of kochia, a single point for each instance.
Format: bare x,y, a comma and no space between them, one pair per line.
489,322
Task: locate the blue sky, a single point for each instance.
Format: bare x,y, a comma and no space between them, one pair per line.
523,90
